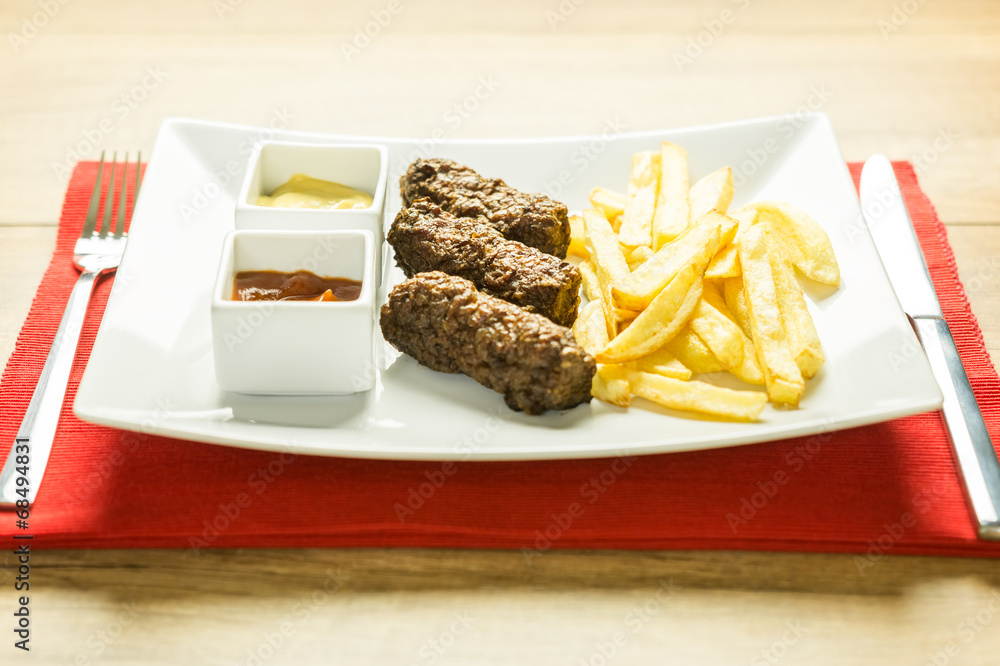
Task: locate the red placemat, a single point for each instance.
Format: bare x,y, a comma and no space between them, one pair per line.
887,488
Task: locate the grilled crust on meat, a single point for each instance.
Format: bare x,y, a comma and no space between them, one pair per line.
426,238
533,219
446,324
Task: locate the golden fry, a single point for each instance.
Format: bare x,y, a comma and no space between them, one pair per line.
589,329
590,287
806,242
673,210
713,192
643,183
611,384
802,336
609,263
693,353
662,362
697,396
640,288
609,202
736,300
781,374
721,335
577,245
659,322
726,263
639,256
747,367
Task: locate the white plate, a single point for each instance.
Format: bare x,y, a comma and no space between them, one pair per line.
151,369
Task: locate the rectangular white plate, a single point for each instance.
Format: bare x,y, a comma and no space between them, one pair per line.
151,369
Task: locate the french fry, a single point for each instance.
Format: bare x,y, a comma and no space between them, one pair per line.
747,367
623,315
726,263
803,339
639,256
643,183
590,287
781,373
806,242
662,362
609,202
609,263
589,329
640,288
577,245
611,384
697,396
659,322
736,300
673,210
693,353
721,334
713,192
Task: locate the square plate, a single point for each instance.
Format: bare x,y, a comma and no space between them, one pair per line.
151,368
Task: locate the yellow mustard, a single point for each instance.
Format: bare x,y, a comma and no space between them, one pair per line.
302,191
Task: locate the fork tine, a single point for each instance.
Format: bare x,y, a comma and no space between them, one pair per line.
120,225
95,202
138,179
109,199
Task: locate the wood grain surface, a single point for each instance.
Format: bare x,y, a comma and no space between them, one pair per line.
914,79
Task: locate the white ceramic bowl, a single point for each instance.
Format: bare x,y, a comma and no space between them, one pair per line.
295,347
272,163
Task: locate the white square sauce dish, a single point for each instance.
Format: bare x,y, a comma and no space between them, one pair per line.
295,346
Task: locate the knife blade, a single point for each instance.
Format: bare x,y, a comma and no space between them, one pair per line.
897,245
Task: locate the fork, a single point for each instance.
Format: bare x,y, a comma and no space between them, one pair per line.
98,252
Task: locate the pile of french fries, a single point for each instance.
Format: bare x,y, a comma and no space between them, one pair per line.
678,286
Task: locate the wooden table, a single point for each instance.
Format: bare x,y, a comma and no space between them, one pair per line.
909,78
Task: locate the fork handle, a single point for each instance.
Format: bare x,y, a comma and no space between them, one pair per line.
34,437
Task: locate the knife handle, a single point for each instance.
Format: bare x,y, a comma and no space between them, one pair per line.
977,459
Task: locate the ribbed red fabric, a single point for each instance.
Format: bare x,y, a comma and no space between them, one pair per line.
888,488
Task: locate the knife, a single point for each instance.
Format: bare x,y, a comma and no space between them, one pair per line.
891,229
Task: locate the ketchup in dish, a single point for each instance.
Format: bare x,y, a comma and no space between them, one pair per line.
297,286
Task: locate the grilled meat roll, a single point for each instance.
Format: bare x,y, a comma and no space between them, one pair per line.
426,238
448,325
533,219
